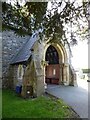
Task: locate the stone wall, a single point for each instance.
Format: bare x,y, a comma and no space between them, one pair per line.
0,60
29,81
11,44
34,73
38,57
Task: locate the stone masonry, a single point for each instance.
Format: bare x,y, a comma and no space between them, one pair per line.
11,44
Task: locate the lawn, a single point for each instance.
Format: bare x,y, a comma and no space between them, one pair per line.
41,107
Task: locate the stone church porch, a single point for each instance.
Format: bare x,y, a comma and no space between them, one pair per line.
38,64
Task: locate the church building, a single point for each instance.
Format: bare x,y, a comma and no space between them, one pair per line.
29,64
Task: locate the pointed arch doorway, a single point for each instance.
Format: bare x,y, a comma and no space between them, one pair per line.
52,71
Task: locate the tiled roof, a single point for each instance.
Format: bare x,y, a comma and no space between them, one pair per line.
25,52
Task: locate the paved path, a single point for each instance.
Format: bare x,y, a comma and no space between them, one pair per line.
76,97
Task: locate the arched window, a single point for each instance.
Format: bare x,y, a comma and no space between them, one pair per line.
20,71
52,55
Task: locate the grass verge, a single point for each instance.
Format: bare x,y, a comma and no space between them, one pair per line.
41,107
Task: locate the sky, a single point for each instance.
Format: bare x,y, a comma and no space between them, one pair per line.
80,55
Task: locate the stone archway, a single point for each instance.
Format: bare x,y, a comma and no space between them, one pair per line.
52,71
56,57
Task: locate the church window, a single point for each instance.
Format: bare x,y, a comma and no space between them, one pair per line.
20,71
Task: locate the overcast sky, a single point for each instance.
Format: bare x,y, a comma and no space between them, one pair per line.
80,55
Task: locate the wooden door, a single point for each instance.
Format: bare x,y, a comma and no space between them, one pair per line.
52,74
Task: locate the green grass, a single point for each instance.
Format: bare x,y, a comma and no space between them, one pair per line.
41,107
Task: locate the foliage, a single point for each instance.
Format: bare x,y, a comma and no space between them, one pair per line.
86,70
63,21
20,18
41,107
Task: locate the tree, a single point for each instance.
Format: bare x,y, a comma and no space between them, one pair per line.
58,23
23,19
